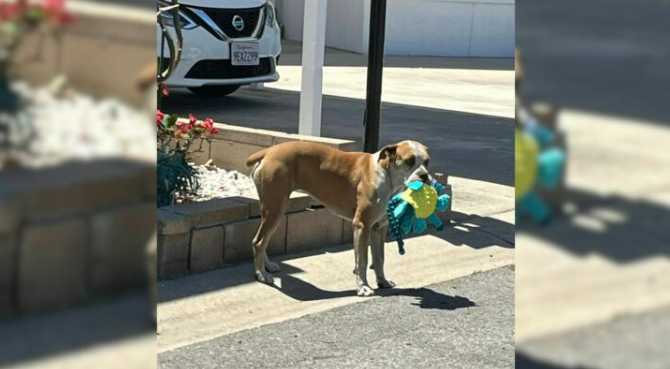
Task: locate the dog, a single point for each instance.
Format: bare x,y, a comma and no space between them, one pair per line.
356,186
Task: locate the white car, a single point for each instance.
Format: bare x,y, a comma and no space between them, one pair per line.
227,44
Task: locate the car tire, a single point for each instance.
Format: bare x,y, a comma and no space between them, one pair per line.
214,91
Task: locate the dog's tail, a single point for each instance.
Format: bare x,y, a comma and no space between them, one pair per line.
256,157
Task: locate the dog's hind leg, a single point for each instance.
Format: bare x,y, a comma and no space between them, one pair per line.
273,204
270,219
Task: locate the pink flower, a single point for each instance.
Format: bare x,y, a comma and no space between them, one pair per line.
9,11
164,90
54,5
159,116
192,119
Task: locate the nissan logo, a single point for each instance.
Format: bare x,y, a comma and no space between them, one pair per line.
238,23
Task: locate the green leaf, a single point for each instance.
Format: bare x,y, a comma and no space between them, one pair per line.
171,120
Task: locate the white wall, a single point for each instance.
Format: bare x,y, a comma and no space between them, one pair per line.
346,28
493,30
461,28
291,15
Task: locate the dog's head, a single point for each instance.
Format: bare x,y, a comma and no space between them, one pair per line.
406,161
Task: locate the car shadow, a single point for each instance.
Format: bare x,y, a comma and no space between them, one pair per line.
466,145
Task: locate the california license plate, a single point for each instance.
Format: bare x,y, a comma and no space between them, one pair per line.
244,53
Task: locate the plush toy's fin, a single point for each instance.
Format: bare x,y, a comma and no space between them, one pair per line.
533,205
438,187
541,133
436,221
401,209
550,165
443,202
415,186
420,225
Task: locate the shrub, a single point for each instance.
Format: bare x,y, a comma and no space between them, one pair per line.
176,139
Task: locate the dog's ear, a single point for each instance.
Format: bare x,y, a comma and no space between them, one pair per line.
387,156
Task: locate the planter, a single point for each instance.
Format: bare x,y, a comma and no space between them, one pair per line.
80,230
72,232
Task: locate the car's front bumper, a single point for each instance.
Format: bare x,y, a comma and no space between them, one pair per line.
205,60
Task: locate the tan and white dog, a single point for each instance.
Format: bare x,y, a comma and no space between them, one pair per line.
354,185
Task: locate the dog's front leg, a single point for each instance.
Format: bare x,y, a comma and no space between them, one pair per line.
361,242
377,243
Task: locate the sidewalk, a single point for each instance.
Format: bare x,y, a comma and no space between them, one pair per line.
205,306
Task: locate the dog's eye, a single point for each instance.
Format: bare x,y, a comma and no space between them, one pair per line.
410,162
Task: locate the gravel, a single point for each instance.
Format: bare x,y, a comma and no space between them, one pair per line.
51,130
219,183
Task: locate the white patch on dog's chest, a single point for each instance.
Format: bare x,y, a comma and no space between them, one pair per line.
382,184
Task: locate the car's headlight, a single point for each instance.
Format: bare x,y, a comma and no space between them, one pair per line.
184,20
271,17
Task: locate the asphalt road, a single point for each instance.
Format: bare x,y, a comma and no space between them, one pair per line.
462,323
633,341
605,56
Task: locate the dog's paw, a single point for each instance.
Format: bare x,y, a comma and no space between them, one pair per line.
385,284
264,277
365,291
272,267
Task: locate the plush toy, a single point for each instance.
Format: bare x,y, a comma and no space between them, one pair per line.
537,164
409,210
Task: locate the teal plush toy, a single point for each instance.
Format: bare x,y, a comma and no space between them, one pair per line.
539,163
410,210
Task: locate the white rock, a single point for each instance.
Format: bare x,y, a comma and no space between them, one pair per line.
54,130
219,183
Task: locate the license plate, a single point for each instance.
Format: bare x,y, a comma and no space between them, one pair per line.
244,53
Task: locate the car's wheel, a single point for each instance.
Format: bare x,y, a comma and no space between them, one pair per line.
214,91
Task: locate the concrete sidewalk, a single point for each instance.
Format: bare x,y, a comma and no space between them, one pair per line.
205,306
463,323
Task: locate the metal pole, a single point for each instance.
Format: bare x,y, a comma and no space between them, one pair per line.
375,74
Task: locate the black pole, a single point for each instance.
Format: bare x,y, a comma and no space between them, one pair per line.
375,74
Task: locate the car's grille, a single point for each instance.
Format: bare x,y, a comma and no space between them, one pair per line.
224,19
223,69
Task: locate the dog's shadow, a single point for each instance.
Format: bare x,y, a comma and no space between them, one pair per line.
426,298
